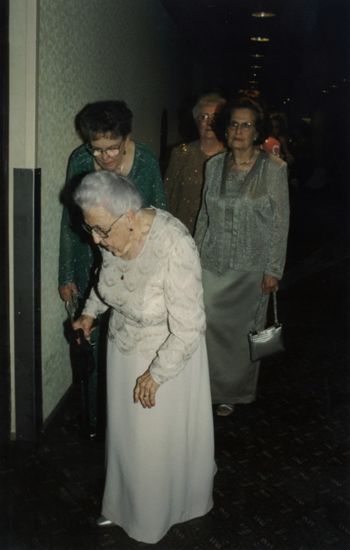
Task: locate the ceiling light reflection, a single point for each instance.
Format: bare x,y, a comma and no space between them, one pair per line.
259,39
262,14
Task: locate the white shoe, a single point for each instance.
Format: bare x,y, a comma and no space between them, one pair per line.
103,522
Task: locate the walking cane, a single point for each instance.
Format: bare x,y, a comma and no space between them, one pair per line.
84,364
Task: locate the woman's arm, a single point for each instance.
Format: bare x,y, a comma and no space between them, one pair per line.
70,245
146,175
203,218
158,200
278,234
69,241
173,178
183,295
94,306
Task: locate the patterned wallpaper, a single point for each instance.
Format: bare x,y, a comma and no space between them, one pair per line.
91,50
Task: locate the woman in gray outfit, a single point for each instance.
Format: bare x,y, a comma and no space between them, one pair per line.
241,234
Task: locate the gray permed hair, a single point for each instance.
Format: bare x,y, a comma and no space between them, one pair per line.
113,192
208,99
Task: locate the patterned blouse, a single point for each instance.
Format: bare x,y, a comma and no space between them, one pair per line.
156,298
244,219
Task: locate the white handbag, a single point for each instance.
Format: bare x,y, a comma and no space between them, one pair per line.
267,342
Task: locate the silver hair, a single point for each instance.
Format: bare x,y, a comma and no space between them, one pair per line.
208,99
113,192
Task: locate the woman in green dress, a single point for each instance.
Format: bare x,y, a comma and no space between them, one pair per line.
105,129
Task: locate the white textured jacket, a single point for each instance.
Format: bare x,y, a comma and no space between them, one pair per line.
156,299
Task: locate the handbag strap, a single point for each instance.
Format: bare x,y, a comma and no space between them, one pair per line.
261,304
275,317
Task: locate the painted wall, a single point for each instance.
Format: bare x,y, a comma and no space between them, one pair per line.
22,123
91,50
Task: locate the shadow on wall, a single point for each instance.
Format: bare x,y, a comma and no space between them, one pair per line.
186,128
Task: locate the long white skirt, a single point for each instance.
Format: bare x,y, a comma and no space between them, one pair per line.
160,461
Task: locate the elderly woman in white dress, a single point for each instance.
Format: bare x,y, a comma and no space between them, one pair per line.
160,446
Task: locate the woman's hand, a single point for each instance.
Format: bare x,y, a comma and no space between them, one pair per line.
269,284
68,292
85,323
145,390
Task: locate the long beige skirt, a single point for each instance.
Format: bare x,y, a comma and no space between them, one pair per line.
160,461
231,301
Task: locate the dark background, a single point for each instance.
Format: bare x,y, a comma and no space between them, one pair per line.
306,58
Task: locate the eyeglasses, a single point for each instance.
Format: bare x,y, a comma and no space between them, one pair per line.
112,151
244,126
103,233
206,116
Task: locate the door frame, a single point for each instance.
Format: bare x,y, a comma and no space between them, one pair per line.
5,386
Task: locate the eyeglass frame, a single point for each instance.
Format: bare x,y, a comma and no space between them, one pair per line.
103,234
99,151
204,117
243,126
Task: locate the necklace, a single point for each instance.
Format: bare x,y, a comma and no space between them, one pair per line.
244,162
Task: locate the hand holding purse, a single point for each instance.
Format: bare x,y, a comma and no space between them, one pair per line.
269,341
